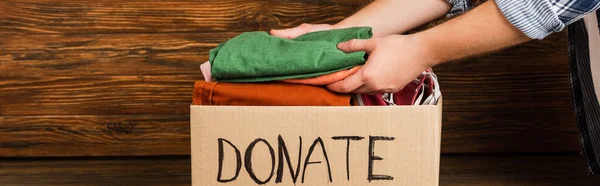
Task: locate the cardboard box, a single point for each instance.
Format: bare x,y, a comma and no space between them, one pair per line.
352,146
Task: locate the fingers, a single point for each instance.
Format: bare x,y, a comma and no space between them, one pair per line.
325,79
291,33
365,89
349,84
356,80
355,45
363,82
355,83
283,33
320,27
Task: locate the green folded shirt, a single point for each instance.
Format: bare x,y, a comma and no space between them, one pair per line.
258,56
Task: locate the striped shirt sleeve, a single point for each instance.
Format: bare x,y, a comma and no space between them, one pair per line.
540,18
536,18
458,7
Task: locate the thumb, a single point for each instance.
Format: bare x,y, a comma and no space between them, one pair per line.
350,83
288,33
291,33
355,45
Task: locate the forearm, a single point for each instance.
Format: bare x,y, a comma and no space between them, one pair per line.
483,29
396,16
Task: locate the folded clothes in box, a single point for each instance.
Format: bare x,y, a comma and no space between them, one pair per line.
422,91
256,69
259,57
266,94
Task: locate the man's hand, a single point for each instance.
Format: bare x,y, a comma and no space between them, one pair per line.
393,62
396,59
305,28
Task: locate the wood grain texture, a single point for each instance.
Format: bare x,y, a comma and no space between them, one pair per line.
118,135
150,16
509,132
515,170
517,100
105,171
455,170
64,62
499,82
123,135
510,77
101,74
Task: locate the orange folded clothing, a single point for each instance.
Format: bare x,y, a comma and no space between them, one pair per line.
325,79
265,94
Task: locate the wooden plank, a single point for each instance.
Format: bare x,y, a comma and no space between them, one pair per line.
97,95
106,54
150,16
515,170
508,132
101,74
102,171
455,170
512,78
517,100
119,135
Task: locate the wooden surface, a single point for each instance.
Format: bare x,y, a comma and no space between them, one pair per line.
515,170
114,60
455,170
114,78
94,135
517,100
97,92
150,16
101,171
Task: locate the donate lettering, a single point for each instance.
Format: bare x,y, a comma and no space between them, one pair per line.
280,159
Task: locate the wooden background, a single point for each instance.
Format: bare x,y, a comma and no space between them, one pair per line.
105,86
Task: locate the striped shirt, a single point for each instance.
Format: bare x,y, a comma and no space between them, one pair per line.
537,18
